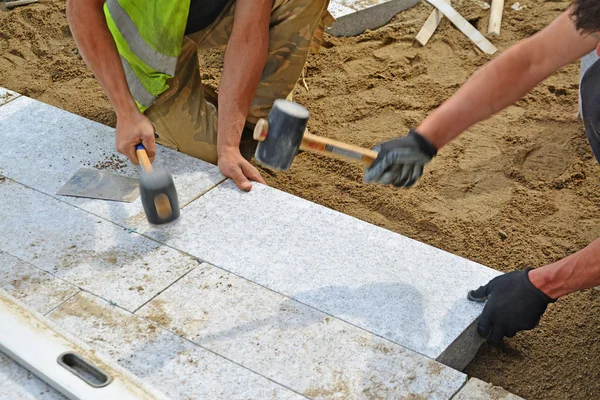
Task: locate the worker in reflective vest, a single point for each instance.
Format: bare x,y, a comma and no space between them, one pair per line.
144,54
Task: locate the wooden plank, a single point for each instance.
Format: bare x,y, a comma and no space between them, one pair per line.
429,27
464,26
496,17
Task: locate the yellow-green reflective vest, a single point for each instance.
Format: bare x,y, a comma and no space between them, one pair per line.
148,35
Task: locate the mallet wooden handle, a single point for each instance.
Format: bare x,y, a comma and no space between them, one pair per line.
319,144
143,158
337,149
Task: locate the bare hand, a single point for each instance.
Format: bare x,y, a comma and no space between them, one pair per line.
234,166
133,129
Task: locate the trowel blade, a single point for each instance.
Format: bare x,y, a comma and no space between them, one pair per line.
95,184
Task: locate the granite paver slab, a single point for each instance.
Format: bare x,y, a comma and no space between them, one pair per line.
403,290
7,95
353,17
169,363
43,146
32,286
85,250
293,344
477,389
18,383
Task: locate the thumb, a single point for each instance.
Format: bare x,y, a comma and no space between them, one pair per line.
481,294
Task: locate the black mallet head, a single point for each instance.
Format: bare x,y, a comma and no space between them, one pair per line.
280,135
157,189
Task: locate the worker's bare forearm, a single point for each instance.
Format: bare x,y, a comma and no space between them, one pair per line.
507,79
98,49
577,272
244,62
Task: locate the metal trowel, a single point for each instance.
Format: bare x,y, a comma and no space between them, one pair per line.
95,184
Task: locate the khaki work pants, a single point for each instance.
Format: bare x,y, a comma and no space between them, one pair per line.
183,118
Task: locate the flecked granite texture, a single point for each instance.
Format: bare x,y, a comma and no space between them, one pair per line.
353,17
171,364
43,146
477,389
316,355
89,252
42,292
17,383
398,288
33,287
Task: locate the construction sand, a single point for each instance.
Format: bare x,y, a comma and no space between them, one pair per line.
521,190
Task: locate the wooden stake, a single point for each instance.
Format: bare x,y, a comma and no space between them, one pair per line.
496,17
464,26
429,27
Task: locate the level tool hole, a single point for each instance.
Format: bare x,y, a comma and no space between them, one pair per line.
84,370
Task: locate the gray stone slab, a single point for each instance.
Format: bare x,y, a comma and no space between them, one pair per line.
43,146
7,95
32,286
353,17
293,344
17,383
403,290
169,363
87,251
477,389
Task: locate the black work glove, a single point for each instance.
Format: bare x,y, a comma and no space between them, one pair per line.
400,162
513,304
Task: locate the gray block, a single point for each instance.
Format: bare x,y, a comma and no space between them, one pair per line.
477,389
353,17
390,285
43,146
7,95
85,250
32,286
18,383
169,363
293,344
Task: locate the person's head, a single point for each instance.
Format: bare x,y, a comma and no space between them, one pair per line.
586,15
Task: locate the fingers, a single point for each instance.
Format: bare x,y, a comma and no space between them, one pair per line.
239,178
416,174
485,323
405,173
498,334
374,173
150,145
252,173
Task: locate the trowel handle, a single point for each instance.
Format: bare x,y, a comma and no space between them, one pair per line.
143,157
330,147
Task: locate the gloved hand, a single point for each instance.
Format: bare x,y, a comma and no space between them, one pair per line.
513,304
400,161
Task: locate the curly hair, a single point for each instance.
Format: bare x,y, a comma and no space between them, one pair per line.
586,15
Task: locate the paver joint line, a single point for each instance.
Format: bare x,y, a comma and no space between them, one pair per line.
175,334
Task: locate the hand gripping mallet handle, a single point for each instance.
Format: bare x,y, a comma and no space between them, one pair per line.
309,142
161,200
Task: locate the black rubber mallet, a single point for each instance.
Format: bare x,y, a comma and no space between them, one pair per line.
157,189
283,133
